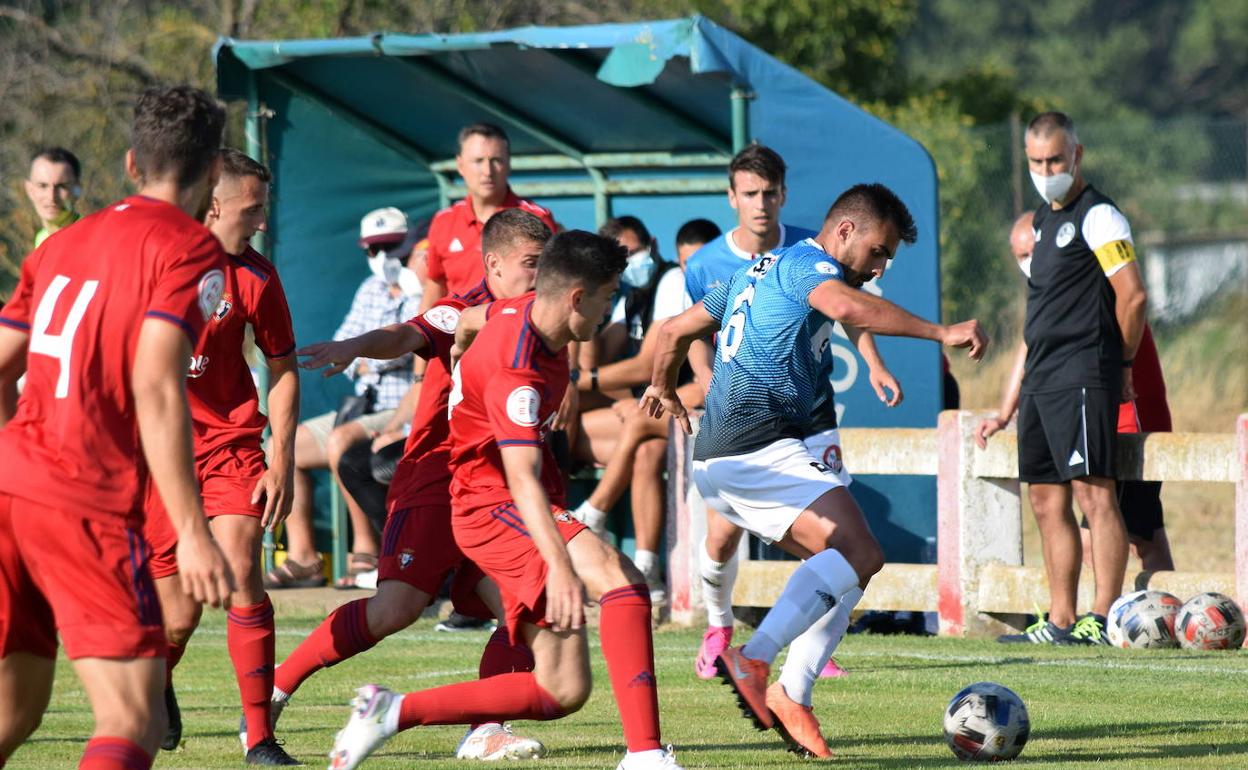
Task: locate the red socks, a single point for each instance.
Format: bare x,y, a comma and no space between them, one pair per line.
497,699
250,637
114,754
341,635
174,655
500,656
627,644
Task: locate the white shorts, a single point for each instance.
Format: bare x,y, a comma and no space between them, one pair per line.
765,491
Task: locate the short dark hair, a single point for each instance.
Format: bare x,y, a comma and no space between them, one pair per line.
510,226
697,231
578,258
59,155
488,130
616,225
177,132
1046,123
871,203
758,159
236,164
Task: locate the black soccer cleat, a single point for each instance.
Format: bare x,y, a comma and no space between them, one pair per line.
270,753
173,733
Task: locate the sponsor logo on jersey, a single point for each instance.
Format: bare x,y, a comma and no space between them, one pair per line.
211,287
832,458
1065,234
455,245
442,318
522,406
199,365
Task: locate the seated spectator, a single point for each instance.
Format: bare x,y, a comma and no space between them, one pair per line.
381,390
638,451
53,187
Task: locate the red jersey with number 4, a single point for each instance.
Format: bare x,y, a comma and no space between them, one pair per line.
225,410
509,387
423,476
83,297
454,255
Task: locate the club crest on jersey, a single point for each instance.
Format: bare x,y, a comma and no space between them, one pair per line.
827,268
1065,234
832,458
211,287
442,318
564,517
405,559
522,406
223,308
199,365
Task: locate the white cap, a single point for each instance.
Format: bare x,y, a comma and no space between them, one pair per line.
388,225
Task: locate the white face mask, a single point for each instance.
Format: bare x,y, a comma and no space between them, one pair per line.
1024,264
392,271
640,270
1052,188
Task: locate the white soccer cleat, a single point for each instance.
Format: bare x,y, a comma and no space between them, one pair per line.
663,759
366,729
275,711
491,742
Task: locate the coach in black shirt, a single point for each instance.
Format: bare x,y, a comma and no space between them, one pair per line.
1085,315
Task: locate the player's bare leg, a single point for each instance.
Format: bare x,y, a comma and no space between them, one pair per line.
718,570
1097,498
25,688
1059,538
180,613
126,702
250,634
841,554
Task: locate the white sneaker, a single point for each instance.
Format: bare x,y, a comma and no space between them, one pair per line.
366,729
275,711
493,741
661,759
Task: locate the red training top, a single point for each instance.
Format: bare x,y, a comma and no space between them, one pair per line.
454,255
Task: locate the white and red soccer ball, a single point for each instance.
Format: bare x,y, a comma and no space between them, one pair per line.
1210,621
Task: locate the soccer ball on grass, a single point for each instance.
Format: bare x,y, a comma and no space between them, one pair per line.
1144,619
986,722
1210,621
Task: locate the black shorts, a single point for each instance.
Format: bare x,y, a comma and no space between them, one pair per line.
1140,502
1067,434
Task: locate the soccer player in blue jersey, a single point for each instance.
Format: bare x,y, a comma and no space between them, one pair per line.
756,190
753,460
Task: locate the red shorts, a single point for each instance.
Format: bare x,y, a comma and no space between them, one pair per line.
85,578
227,478
499,543
417,548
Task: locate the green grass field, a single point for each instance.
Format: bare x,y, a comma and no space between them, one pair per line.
1089,708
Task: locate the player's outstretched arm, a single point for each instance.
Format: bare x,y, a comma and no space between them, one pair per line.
277,485
675,337
13,345
882,380
158,382
840,302
1009,401
565,594
385,343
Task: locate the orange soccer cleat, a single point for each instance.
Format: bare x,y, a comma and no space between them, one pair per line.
748,679
796,724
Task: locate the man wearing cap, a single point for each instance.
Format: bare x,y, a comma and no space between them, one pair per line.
380,387
53,189
484,163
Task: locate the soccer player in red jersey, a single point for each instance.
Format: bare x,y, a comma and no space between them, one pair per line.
418,550
103,322
241,495
507,497
454,256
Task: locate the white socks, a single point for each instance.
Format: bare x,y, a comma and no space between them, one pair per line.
647,562
810,651
817,586
718,578
591,517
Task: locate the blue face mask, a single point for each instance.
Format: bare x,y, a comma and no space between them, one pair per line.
640,270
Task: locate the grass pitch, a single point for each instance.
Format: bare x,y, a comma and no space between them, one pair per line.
1097,708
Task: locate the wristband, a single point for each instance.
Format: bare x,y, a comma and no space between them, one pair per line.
574,376
1127,363
593,379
